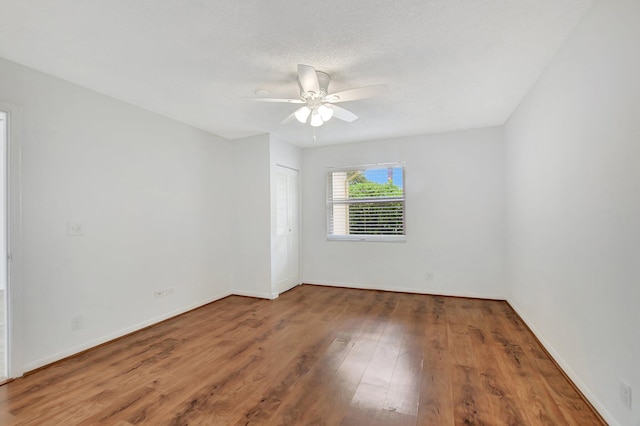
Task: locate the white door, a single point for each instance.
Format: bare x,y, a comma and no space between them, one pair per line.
285,251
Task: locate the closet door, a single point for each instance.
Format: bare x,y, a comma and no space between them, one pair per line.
285,262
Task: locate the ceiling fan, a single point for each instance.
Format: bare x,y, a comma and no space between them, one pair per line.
319,103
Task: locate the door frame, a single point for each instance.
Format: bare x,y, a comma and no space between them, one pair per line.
13,223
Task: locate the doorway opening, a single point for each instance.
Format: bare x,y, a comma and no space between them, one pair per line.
4,128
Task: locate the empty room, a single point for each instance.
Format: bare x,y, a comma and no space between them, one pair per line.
418,212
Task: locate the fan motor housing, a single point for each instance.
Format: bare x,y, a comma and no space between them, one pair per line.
323,83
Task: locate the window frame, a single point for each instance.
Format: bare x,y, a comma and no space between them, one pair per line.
329,203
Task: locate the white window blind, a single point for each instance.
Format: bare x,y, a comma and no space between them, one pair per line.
366,203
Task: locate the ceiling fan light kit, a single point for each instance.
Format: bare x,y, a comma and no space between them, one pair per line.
319,103
316,120
325,111
302,114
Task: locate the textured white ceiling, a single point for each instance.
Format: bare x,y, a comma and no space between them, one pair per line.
450,64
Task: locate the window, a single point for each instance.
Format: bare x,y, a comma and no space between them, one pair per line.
366,203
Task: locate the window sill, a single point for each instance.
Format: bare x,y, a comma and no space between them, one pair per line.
369,238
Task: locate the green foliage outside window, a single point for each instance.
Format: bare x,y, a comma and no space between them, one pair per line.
378,217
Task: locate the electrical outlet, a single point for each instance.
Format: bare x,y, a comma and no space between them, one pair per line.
625,394
76,322
74,229
162,293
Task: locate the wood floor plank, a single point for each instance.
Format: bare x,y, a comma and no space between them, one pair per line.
340,391
471,403
316,355
401,402
372,391
309,388
249,350
436,406
531,385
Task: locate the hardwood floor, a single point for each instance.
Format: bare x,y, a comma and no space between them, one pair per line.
317,355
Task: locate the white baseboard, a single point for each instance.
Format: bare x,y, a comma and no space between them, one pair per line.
566,368
433,292
112,336
269,296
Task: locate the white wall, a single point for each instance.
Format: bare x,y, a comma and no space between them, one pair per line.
574,206
455,217
252,216
255,159
147,191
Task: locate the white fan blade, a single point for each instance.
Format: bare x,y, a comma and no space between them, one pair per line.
343,114
359,93
289,118
290,101
308,79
